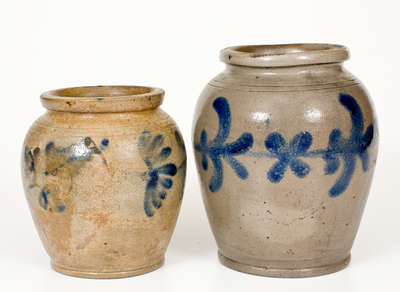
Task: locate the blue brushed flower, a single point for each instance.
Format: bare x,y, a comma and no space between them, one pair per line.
158,174
288,155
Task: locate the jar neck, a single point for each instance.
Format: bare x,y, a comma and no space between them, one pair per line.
320,69
316,74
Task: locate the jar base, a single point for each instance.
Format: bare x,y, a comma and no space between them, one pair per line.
106,275
283,273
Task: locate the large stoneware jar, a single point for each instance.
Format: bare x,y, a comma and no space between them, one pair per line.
103,171
285,142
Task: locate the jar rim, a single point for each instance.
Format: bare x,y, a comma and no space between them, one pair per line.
103,98
284,55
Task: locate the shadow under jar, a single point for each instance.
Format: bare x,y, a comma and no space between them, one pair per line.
286,143
103,171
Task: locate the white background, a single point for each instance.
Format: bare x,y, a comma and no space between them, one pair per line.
175,45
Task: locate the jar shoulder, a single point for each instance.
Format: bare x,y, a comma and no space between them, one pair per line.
288,112
100,124
284,79
119,133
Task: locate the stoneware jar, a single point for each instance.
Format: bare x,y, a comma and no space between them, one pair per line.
103,171
285,142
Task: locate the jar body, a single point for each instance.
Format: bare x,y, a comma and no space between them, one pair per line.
285,158
104,189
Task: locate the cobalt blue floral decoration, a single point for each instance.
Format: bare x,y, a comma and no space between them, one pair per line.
61,161
288,155
159,173
348,149
217,149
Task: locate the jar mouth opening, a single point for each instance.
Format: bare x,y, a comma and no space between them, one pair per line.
284,55
113,98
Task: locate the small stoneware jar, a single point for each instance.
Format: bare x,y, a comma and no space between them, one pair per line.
285,143
103,171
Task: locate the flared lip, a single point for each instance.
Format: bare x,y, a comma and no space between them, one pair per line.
284,55
103,98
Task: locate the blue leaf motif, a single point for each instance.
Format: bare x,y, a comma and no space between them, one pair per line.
301,143
300,168
240,170
165,153
44,198
44,202
217,177
276,173
275,143
218,149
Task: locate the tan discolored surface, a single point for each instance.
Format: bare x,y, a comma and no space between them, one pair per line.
88,184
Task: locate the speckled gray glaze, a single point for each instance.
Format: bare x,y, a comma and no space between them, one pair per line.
286,143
